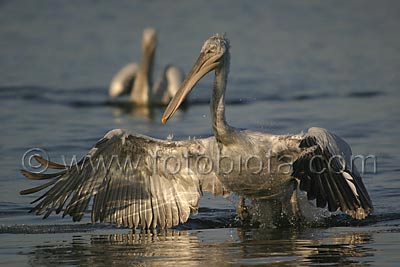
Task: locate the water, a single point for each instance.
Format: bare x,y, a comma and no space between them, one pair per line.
294,65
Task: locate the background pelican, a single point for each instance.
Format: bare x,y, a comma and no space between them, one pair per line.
137,79
167,179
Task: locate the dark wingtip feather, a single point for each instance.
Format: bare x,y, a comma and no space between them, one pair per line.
48,163
49,211
40,176
37,188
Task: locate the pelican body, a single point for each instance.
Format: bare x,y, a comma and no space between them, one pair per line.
320,159
137,79
165,186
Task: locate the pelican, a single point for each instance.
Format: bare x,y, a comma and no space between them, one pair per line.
137,79
168,176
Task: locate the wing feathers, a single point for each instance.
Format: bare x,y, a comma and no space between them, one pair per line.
125,196
323,172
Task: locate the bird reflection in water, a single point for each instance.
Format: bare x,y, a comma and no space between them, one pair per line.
174,247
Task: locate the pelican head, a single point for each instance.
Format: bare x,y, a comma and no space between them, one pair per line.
149,40
149,45
213,54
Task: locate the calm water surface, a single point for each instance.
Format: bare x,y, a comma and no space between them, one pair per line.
294,65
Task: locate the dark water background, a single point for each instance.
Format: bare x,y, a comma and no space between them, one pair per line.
295,64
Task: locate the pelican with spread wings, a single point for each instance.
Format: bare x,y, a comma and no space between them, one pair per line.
168,177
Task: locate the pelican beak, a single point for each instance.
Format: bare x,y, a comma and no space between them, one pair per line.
203,65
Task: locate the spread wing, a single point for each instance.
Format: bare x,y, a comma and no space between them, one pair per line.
133,180
326,174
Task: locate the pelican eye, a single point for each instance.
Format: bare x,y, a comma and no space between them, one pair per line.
211,50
